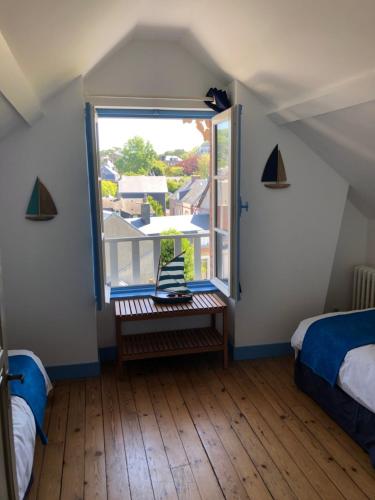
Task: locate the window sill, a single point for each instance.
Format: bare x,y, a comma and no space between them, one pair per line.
124,292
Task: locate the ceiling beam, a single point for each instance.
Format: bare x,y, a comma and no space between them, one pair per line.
357,90
15,87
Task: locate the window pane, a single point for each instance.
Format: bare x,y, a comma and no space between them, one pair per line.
156,176
222,148
222,204
222,257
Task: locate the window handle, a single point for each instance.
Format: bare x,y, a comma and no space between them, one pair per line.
244,205
17,376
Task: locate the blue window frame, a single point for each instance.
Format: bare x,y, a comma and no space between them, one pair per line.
98,254
153,113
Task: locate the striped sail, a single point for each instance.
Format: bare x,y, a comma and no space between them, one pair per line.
171,276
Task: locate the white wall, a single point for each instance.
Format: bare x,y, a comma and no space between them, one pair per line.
288,238
151,68
48,282
371,243
351,250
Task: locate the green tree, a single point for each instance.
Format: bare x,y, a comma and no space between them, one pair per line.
204,166
173,171
111,154
167,253
181,153
109,188
156,206
137,157
157,167
174,184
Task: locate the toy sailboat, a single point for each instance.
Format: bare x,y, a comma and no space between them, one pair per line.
274,175
41,205
170,285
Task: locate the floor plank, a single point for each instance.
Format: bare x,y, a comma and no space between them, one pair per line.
74,458
202,470
185,483
115,460
171,439
330,467
267,469
95,484
229,481
296,397
161,476
187,429
52,468
363,479
293,473
139,476
39,454
248,474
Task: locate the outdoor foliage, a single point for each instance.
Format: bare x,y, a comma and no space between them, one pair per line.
204,166
190,165
109,188
167,253
137,158
111,154
181,153
155,206
223,144
174,184
173,171
157,168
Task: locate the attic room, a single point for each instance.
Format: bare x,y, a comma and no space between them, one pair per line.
187,221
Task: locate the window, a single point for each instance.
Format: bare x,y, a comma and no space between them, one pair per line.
225,201
150,201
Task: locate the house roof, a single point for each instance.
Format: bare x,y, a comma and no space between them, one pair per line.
198,187
107,170
191,192
143,184
187,224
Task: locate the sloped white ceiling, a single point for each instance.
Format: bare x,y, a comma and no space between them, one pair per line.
285,51
282,49
345,139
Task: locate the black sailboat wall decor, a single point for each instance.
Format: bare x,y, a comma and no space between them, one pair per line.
41,205
274,175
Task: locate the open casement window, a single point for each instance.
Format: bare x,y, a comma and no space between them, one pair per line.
225,201
95,204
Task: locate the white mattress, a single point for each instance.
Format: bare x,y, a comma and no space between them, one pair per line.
357,372
24,430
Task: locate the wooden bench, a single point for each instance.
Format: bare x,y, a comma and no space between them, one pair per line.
170,343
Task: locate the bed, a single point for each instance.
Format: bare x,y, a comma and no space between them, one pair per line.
351,400
24,428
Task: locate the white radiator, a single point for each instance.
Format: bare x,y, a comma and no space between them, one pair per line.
363,287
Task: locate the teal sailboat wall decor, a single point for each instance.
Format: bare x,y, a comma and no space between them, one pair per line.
274,175
41,205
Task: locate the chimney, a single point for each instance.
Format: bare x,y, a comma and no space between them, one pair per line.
145,211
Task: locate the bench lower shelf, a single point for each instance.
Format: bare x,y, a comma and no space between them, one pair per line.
170,343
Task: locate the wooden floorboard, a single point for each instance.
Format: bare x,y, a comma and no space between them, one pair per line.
187,429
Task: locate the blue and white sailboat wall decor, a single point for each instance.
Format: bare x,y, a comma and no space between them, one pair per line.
274,175
170,287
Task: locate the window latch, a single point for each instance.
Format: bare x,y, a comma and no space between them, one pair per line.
244,205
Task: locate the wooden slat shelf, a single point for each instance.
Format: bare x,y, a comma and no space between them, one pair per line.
171,343
145,308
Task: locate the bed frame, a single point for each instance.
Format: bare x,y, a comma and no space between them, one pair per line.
355,419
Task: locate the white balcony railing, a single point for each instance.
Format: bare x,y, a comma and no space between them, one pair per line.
134,260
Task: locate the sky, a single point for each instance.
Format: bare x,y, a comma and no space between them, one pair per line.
163,134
